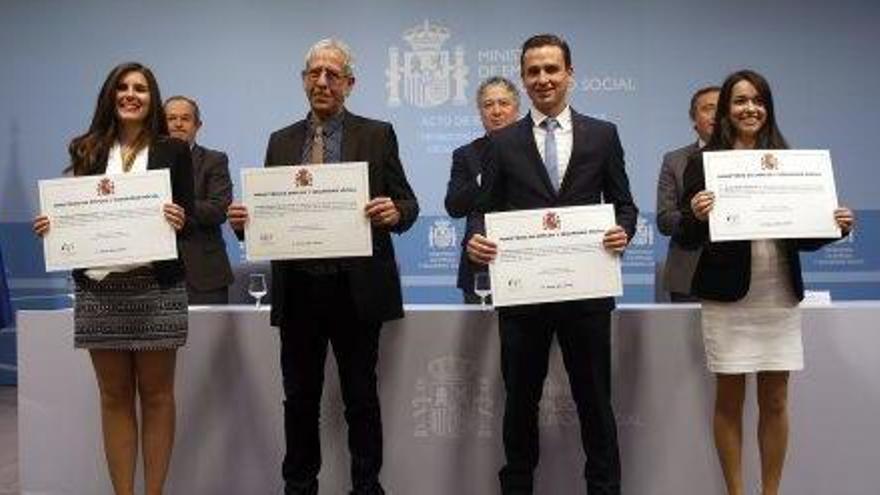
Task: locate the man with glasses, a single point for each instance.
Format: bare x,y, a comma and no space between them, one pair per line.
340,301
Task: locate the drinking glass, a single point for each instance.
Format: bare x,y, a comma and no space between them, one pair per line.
482,286
257,287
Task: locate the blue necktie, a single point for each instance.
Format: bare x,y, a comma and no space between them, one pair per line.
551,161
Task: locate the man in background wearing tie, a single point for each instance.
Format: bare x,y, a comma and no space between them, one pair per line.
340,301
556,157
208,274
498,104
678,270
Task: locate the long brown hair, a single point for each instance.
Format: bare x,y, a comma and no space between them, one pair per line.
724,134
86,150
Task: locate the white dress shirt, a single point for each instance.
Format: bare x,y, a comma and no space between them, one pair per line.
114,161
114,167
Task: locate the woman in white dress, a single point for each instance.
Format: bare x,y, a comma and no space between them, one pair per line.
749,291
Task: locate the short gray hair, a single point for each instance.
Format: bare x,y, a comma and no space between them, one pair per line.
195,106
500,81
333,44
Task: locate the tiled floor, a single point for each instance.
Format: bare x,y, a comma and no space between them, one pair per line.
8,441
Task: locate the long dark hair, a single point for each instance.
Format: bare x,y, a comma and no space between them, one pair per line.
86,150
724,134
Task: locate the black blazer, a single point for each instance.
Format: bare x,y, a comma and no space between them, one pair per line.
724,270
173,154
204,251
514,178
374,280
462,192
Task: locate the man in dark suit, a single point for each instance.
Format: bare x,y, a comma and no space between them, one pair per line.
678,270
498,103
343,301
208,274
556,157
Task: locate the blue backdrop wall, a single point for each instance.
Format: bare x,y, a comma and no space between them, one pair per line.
636,64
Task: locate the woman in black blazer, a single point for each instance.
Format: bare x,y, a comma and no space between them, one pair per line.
749,290
132,318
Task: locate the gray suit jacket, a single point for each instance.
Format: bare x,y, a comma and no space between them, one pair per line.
204,252
680,263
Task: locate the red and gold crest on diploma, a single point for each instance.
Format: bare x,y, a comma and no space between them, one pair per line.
552,221
106,187
769,162
303,178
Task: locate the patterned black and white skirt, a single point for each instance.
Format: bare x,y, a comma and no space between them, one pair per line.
129,312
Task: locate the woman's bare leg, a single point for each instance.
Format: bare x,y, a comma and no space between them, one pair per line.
729,397
772,428
155,374
115,373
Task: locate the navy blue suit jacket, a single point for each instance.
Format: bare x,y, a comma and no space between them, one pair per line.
514,178
462,192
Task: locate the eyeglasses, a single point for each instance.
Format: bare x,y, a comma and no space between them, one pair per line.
330,75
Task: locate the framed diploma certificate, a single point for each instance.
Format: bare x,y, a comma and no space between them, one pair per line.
771,194
553,254
308,211
107,220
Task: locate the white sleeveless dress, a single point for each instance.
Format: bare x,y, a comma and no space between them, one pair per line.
762,331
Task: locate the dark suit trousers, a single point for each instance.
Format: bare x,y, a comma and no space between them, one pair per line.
327,315
585,341
678,297
473,298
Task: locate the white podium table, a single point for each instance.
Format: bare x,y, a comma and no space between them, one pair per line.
442,402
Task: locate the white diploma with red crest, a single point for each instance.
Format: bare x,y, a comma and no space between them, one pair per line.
106,220
771,194
307,211
552,254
